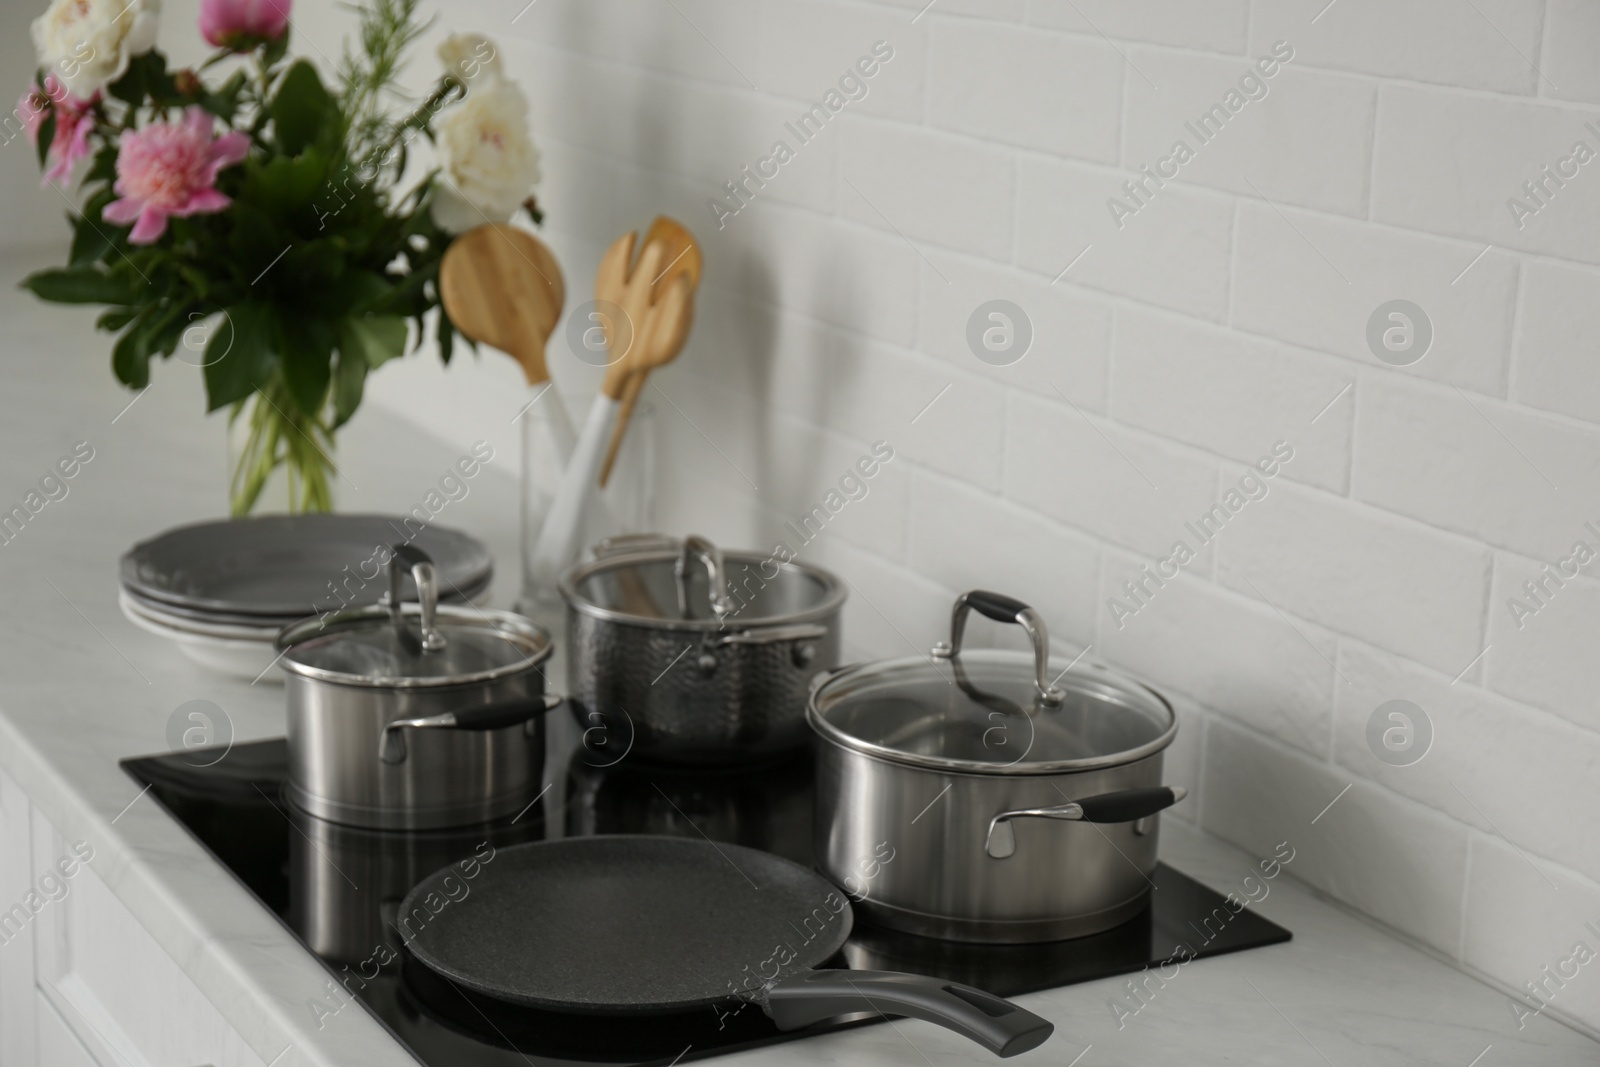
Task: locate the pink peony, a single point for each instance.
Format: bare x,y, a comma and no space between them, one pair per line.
242,24
74,123
169,170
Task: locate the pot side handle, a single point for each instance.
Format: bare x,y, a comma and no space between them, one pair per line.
1127,805
998,1025
772,635
392,744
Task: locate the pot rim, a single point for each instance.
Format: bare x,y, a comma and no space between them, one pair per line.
833,596
1089,677
315,626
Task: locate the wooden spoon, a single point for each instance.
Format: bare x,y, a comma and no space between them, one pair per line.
502,287
684,260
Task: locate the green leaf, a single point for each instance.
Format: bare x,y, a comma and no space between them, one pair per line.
307,359
241,355
91,238
348,381
146,73
47,134
104,168
285,187
446,333
81,286
409,295
224,103
130,361
273,54
356,292
378,338
115,319
254,243
301,109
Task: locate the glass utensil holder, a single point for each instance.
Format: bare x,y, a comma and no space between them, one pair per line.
626,504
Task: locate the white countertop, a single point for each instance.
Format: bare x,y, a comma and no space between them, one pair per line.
81,688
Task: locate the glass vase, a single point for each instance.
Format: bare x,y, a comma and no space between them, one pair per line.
279,460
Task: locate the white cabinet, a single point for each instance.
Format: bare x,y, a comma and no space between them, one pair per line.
82,983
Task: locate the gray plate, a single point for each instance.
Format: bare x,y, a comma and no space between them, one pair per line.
227,618
289,565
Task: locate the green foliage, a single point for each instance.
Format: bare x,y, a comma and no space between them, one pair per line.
82,286
303,113
47,135
315,274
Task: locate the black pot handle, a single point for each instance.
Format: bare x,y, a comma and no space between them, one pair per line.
997,606
998,1025
1127,805
392,744
505,713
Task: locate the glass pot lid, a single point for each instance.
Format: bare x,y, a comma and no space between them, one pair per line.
690,584
992,711
404,646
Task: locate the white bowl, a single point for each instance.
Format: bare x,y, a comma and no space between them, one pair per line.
248,657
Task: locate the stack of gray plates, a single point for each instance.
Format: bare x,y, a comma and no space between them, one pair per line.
223,590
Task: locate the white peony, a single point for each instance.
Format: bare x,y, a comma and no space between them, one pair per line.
87,43
468,56
488,160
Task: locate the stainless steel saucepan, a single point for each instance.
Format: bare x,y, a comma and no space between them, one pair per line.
1017,797
415,716
680,653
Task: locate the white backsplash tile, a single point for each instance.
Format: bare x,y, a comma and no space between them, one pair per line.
1394,860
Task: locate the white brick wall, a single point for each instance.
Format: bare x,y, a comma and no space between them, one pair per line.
1228,313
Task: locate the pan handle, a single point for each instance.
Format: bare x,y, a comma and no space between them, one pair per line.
998,1025
392,745
1127,805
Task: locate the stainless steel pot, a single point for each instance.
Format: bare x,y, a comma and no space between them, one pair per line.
1015,796
680,653
415,717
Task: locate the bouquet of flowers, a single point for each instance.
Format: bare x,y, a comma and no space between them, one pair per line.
257,214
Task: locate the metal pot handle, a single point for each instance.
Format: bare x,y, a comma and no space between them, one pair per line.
1002,608
1127,805
392,745
688,549
717,571
639,542
426,578
772,635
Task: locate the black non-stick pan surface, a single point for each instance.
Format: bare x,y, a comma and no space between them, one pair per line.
651,925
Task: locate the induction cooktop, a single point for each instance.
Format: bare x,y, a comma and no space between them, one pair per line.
337,889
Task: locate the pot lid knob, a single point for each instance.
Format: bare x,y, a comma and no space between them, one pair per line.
1002,608
427,582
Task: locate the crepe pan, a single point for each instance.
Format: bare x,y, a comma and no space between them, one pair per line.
641,925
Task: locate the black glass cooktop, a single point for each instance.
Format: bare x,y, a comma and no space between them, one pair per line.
338,889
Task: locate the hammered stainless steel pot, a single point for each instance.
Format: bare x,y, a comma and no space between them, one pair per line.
990,796
415,717
680,653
